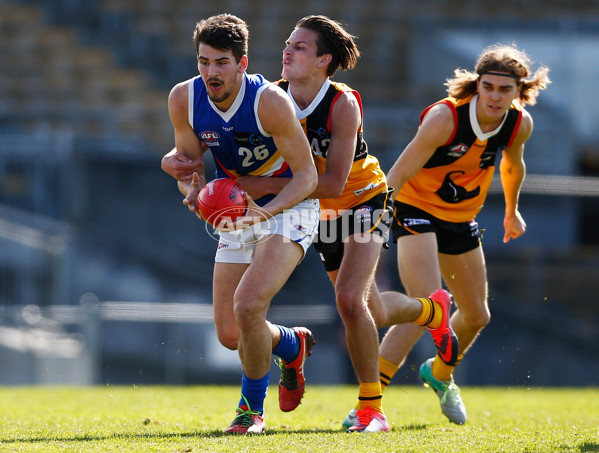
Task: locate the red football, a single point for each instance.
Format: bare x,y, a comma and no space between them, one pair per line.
221,199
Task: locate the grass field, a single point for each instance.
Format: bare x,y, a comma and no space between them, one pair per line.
191,419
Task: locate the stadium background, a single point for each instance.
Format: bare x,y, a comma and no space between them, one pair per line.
106,278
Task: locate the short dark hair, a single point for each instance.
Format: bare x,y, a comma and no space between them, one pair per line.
225,32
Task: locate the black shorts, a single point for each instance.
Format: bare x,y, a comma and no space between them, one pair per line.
372,216
452,238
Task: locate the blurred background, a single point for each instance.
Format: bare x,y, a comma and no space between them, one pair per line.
106,278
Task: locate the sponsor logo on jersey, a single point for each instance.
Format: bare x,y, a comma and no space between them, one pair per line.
363,214
412,222
474,231
457,150
369,186
248,139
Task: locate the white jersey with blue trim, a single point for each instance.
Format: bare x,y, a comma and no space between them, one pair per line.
236,138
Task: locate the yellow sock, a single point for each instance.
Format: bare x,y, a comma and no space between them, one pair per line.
371,395
431,314
386,371
441,370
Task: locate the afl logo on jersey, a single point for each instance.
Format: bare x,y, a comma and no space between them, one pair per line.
458,150
209,136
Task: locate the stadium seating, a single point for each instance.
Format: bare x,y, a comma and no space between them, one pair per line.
52,80
86,46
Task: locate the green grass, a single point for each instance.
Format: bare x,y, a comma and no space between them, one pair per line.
191,419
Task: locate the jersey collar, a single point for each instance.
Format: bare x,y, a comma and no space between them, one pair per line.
301,114
482,136
236,103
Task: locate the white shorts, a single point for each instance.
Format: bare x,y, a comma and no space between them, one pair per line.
298,224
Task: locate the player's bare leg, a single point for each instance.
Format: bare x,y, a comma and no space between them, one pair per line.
466,279
352,282
274,261
420,276
225,279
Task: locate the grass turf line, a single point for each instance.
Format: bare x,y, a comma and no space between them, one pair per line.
191,419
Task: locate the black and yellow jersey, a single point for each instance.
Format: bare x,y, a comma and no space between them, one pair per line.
366,178
454,183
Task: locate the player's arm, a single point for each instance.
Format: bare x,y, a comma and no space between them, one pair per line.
277,116
181,167
436,129
512,171
260,186
187,143
346,121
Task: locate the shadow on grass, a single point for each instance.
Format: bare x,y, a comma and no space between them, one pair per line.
206,434
588,446
411,427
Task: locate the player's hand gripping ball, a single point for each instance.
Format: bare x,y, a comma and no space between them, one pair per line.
221,200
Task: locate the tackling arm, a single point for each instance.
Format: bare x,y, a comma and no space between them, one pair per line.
188,147
277,116
345,124
435,130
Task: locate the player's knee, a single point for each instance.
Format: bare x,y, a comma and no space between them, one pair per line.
227,333
479,319
380,318
349,304
248,310
379,315
229,341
